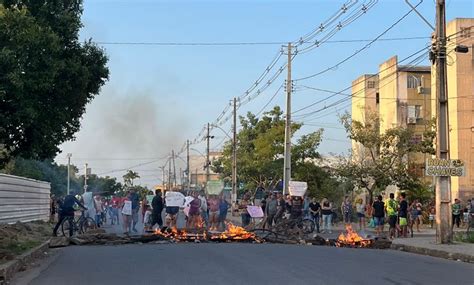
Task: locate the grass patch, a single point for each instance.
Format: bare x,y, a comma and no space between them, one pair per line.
464,237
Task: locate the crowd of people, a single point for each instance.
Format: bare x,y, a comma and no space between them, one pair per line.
210,211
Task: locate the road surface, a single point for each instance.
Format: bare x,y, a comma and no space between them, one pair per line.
189,263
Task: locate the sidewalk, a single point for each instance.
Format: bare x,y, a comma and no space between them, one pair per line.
428,246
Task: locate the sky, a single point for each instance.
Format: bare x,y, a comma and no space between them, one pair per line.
158,96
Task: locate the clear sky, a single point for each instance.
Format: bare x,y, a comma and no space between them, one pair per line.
159,96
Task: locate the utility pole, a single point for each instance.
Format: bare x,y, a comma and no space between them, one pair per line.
169,175
287,159
163,169
443,191
68,172
188,170
234,154
174,169
85,178
207,153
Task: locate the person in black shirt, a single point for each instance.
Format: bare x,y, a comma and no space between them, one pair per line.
296,207
378,213
403,214
157,209
66,210
315,210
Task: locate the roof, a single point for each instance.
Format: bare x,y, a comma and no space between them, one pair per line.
410,68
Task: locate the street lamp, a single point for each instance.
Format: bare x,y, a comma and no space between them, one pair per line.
69,155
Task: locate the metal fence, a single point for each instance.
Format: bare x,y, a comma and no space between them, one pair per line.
23,199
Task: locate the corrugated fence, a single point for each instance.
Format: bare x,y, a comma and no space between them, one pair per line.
23,199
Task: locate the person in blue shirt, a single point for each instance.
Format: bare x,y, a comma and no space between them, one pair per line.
66,210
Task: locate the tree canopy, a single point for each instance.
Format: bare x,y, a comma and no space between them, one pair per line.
260,149
47,76
382,158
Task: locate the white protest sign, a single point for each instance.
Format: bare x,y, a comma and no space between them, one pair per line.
214,187
127,208
255,211
297,188
174,199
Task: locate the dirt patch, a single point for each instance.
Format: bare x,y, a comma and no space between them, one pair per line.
18,238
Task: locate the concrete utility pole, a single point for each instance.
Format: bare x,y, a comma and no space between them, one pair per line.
68,172
85,178
207,153
169,175
287,159
174,169
234,154
443,191
188,170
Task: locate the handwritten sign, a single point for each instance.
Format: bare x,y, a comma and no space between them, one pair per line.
149,199
127,208
174,199
255,211
214,187
297,188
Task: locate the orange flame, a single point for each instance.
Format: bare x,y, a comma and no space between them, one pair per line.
352,238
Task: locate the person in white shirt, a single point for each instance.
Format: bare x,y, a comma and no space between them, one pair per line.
147,218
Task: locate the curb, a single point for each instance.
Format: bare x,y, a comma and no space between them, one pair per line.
8,270
434,252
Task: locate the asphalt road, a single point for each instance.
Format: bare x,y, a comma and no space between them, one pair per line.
246,264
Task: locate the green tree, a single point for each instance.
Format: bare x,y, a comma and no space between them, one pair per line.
260,148
103,185
382,158
46,76
129,177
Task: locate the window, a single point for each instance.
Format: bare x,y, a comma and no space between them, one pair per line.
418,111
377,98
413,81
465,32
370,84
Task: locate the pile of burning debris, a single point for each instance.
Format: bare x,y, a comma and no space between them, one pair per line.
232,234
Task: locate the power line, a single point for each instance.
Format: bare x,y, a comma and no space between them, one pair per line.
360,50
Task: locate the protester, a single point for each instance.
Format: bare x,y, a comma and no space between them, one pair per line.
135,199
315,211
204,213
213,205
280,207
66,211
465,220
403,214
171,215
296,207
271,210
415,215
456,210
346,210
194,212
147,219
378,214
432,215
360,209
98,210
114,210
223,208
157,209
127,213
53,208
326,211
243,210
391,207
306,202
263,202
288,203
